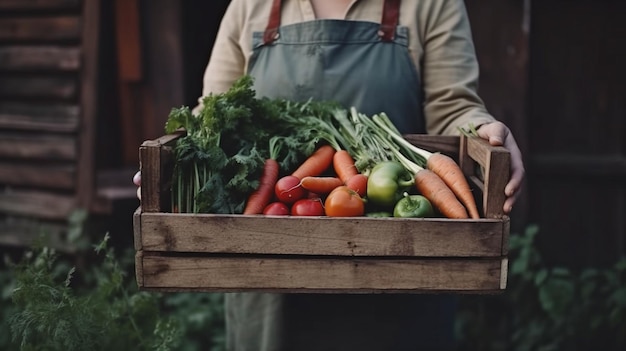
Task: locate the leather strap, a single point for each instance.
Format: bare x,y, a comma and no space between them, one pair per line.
391,16
271,31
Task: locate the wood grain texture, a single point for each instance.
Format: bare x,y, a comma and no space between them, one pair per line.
40,29
37,204
357,236
38,175
39,87
210,252
40,58
48,117
21,146
301,274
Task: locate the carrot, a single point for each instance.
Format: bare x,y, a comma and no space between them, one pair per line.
444,166
344,166
316,163
320,185
439,194
450,172
358,183
263,194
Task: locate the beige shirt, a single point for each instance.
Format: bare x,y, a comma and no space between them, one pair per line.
440,43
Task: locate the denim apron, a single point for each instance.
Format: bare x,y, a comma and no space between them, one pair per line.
366,65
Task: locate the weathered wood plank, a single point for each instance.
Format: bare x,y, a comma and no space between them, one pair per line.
38,87
496,163
448,145
358,236
39,4
39,117
29,58
38,175
40,29
38,147
298,274
89,102
37,204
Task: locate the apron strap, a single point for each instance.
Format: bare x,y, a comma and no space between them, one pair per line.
391,15
271,31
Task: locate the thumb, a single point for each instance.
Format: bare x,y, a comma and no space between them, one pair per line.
494,132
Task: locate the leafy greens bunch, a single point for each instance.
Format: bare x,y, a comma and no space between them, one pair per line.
220,160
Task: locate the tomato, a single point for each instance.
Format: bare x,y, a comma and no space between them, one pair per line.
344,202
308,207
288,190
276,209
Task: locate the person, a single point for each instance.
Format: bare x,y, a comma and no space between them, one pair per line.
414,60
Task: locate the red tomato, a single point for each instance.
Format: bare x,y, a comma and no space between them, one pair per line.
344,202
276,209
288,190
308,207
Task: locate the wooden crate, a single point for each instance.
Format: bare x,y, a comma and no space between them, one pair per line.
210,252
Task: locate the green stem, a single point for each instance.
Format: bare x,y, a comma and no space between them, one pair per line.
383,122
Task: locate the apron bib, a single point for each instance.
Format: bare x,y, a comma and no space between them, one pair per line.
359,64
364,65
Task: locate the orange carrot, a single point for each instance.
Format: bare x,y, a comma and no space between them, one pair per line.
320,185
450,172
263,194
343,163
358,183
317,163
444,166
437,192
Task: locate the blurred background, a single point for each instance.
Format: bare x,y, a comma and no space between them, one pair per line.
84,82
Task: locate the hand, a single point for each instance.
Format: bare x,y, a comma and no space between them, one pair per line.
137,182
498,134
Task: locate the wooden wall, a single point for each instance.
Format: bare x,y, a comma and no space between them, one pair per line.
551,69
577,129
48,87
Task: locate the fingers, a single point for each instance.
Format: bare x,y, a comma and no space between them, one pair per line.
137,182
137,178
497,133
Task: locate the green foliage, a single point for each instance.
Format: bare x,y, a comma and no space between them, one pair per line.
50,304
547,308
220,159
52,315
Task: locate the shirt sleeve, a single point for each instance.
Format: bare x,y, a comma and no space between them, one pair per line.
450,72
227,61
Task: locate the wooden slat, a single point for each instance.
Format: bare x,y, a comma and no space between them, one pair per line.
37,204
156,165
39,117
496,162
359,236
38,87
89,102
448,145
299,274
29,58
38,147
40,29
39,4
37,175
